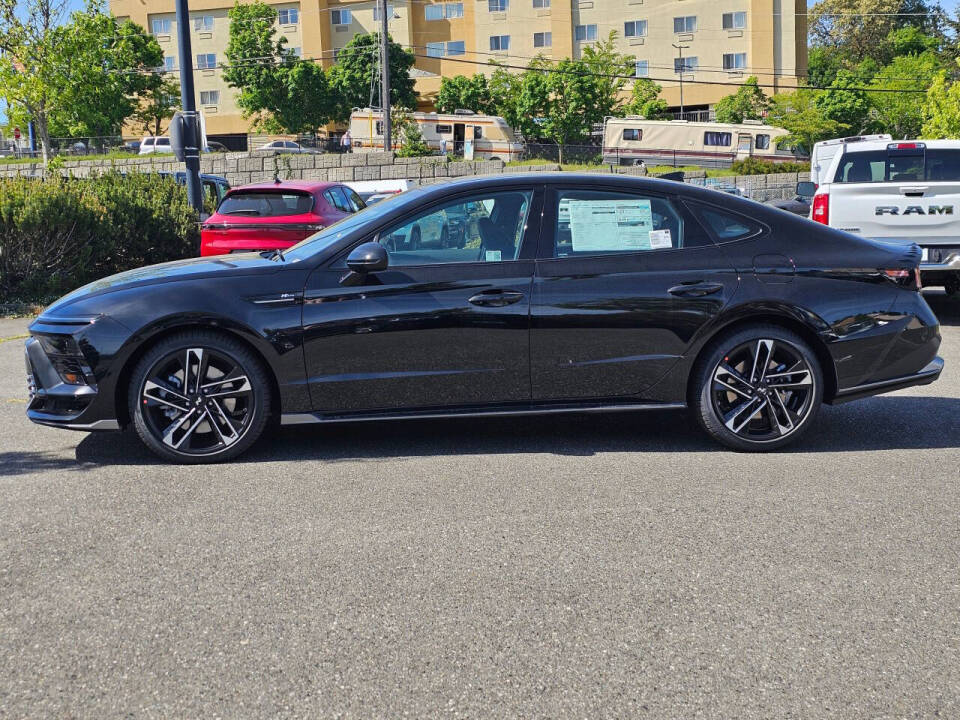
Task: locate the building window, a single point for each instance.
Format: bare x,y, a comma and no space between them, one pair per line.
541,4
498,5
685,24
433,12
585,33
763,142
635,28
160,26
456,47
734,61
544,39
204,23
209,97
641,68
296,52
336,53
340,17
499,42
687,64
632,134
453,10
206,61
376,12
734,21
717,139
288,16
170,63
434,49
444,129
441,49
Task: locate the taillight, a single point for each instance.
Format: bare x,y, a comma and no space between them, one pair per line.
821,208
909,279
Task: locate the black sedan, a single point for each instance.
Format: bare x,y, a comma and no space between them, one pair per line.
570,293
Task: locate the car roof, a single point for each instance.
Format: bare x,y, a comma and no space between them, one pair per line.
304,185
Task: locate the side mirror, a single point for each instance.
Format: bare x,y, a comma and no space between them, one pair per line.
367,258
806,189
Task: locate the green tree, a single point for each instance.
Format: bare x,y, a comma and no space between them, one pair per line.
356,73
798,113
572,107
902,113
645,100
277,90
845,103
941,112
609,70
408,132
157,106
469,93
747,103
823,64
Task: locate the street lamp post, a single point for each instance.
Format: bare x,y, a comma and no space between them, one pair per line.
680,48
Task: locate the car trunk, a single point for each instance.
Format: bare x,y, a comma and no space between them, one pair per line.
274,218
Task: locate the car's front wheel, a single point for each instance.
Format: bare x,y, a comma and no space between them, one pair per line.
199,397
758,388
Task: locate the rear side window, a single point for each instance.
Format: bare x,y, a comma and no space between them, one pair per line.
763,142
726,226
163,141
717,139
355,201
632,134
336,198
911,166
266,204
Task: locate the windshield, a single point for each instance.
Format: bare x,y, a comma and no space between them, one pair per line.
332,233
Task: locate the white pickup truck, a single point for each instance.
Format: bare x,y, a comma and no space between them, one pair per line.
906,192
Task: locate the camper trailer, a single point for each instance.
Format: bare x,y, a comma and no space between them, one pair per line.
463,133
630,140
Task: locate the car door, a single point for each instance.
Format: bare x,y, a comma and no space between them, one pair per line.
440,327
624,282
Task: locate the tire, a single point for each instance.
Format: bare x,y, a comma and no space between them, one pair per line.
212,378
952,285
741,406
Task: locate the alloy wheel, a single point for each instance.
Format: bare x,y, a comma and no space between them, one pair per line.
763,390
197,401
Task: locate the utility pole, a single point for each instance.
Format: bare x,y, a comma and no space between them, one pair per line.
192,145
384,76
680,49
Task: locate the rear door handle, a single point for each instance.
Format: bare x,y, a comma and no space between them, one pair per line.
695,289
496,298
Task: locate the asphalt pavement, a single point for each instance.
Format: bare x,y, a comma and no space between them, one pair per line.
579,566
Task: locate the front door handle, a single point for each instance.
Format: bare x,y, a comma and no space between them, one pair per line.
695,289
496,298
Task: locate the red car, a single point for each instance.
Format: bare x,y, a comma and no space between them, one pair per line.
275,216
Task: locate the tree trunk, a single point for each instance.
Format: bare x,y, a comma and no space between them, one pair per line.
40,124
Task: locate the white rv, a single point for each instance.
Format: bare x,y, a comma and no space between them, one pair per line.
630,140
472,136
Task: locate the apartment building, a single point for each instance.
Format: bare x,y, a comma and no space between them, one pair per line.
701,48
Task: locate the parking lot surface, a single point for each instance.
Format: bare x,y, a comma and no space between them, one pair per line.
579,566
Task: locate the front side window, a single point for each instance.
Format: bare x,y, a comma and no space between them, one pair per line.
585,33
717,139
499,42
340,17
543,39
734,61
734,21
288,16
206,61
160,26
204,23
685,65
641,68
685,24
481,228
601,222
763,142
632,134
266,204
477,132
635,28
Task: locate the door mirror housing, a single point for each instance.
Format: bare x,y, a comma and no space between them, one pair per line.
367,258
806,189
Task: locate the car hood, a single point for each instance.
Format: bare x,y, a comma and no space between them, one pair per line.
178,270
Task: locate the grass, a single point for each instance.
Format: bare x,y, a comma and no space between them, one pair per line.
116,155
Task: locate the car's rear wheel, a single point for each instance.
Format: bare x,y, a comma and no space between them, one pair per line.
199,397
758,388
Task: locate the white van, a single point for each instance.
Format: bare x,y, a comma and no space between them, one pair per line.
825,150
905,192
153,144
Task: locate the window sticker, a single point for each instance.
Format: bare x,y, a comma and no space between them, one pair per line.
660,239
493,256
611,225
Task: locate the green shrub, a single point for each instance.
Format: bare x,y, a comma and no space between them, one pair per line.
759,166
59,233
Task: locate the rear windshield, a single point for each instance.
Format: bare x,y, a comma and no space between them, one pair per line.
886,166
266,204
